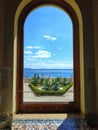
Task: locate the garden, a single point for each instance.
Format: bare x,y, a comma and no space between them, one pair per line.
50,86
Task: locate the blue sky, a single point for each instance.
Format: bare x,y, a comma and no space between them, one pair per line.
48,39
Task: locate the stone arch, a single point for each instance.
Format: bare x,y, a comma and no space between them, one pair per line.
77,11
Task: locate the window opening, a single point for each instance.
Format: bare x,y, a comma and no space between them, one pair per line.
48,56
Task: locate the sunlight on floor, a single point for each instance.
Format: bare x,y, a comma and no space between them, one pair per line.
46,116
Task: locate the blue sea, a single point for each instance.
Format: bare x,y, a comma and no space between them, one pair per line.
64,73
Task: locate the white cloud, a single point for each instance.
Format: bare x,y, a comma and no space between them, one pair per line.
37,47
27,52
42,54
38,54
29,47
49,64
58,64
61,65
39,65
50,38
30,59
34,47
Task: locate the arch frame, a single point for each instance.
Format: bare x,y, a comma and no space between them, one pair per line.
22,11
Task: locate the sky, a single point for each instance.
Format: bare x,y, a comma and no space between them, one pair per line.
48,39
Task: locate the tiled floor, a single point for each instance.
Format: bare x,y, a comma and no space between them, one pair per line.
57,117
48,122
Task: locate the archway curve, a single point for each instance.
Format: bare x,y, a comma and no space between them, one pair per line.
76,17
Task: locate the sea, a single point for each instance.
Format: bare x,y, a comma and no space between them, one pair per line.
48,73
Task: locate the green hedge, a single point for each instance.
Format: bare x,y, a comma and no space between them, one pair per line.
51,92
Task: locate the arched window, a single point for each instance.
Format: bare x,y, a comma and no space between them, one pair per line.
36,40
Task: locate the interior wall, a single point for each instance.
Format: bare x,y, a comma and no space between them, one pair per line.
1,31
7,16
1,47
89,60
95,22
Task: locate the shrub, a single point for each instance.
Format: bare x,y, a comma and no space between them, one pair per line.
48,91
34,81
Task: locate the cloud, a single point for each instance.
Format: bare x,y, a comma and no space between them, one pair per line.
29,47
49,64
61,65
50,38
27,52
38,54
42,54
40,65
58,64
34,47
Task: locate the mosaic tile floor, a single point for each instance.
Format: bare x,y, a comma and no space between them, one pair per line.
50,122
54,124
